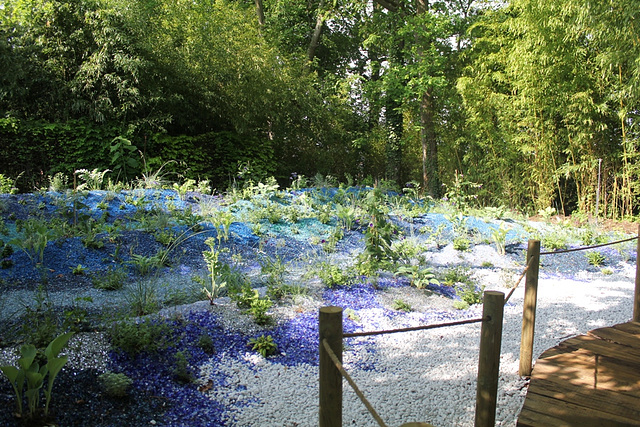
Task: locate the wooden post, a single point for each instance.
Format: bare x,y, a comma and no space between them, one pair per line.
330,327
529,308
489,359
636,295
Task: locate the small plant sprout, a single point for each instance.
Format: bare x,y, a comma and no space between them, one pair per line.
78,270
115,385
264,345
401,305
595,258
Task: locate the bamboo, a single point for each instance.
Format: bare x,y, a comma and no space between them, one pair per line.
529,308
636,295
330,328
489,359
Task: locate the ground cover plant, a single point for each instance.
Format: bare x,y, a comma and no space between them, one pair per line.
178,280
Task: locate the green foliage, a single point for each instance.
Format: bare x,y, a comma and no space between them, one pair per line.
115,384
332,275
7,185
401,306
111,280
35,236
470,294
214,265
499,237
142,297
461,243
378,236
205,342
420,277
595,258
554,241
145,336
264,345
29,370
91,180
181,371
457,275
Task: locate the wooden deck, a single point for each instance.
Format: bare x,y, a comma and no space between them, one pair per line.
589,380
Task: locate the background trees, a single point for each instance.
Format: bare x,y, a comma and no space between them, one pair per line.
527,99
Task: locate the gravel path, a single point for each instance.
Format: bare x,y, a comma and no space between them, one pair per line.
428,375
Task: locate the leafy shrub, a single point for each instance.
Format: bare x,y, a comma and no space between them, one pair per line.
457,275
115,385
205,342
420,277
181,371
470,294
264,345
461,243
554,241
332,275
146,336
112,280
595,258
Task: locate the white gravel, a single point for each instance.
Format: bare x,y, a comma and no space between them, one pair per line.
427,376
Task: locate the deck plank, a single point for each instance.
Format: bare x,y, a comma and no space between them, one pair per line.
589,380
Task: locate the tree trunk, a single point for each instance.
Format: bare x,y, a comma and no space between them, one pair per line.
260,12
317,32
430,175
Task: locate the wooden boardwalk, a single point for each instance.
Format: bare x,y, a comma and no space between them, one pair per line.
589,380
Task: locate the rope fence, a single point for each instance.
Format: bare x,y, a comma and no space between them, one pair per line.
584,248
331,370
531,296
352,383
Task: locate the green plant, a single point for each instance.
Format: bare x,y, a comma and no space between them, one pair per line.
258,309
350,313
30,370
607,271
144,265
214,265
123,159
8,185
595,258
111,280
40,322
457,275
459,193
181,371
222,221
554,241
332,275
35,236
142,297
460,305
182,189
78,270
115,385
461,243
264,345
401,306
470,294
547,213
75,318
205,342
420,277
92,180
273,270
487,264
135,337
499,237
378,236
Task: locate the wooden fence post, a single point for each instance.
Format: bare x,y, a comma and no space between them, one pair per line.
529,308
636,295
330,327
489,359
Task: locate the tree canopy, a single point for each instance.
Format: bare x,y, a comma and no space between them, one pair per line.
536,102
